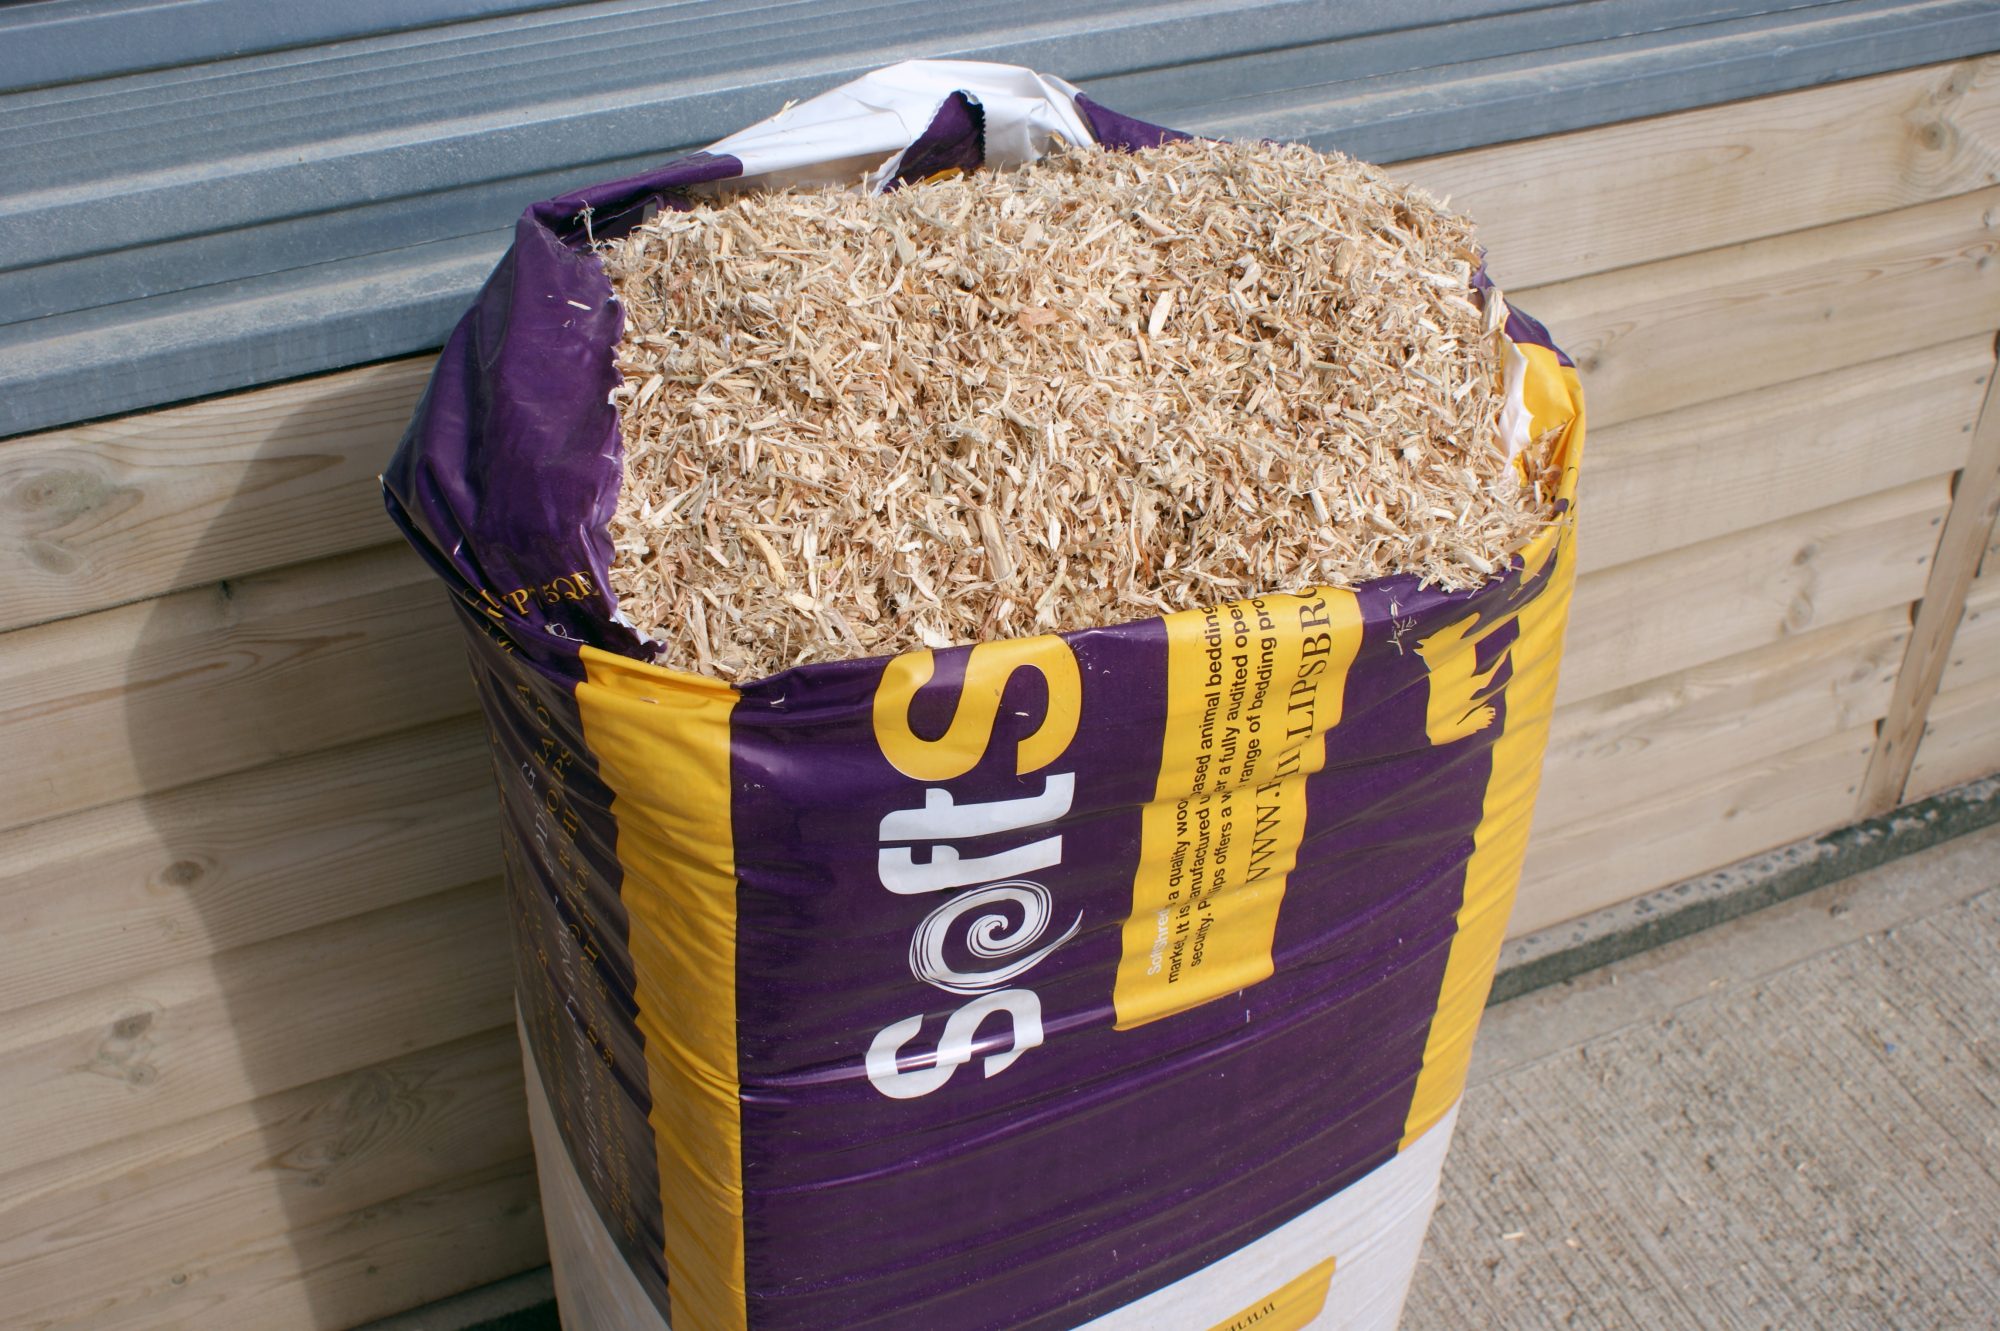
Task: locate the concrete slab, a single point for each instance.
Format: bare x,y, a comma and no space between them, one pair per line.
1792,1120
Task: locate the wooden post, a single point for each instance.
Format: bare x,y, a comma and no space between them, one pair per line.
1967,528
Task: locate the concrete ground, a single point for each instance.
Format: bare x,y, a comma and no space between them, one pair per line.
1791,1120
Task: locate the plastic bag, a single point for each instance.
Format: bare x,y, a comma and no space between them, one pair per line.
1125,977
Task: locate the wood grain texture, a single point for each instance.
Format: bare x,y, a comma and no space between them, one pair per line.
148,1216
1663,336
123,510
149,1050
1703,472
147,698
1975,648
1655,740
427,1244
1739,811
1967,530
146,884
1961,740
1655,616
1572,204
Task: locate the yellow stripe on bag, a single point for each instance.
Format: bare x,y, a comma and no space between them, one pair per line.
1252,689
644,723
1290,1308
1500,842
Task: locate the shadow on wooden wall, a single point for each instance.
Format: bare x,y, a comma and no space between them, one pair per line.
262,1063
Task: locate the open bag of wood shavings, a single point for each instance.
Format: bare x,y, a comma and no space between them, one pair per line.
1094,388
1018,645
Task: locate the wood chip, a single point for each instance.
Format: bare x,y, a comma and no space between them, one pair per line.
863,424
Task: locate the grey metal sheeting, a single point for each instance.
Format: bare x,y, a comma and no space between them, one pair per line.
205,227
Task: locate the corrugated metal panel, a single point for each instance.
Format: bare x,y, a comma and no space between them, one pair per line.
201,229
48,42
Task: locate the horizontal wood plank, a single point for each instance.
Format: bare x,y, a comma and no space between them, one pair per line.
145,884
425,1245
1657,739
1975,649
1738,812
147,698
1655,616
1961,740
151,1050
133,508
1663,336
1572,204
82,1235
1703,472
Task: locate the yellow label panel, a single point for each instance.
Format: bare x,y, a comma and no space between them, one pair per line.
1287,1309
1252,689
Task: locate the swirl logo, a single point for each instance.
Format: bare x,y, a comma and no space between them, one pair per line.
990,937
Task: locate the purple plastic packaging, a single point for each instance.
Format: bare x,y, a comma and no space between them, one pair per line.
1075,981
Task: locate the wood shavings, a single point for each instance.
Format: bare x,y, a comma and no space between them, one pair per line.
857,425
